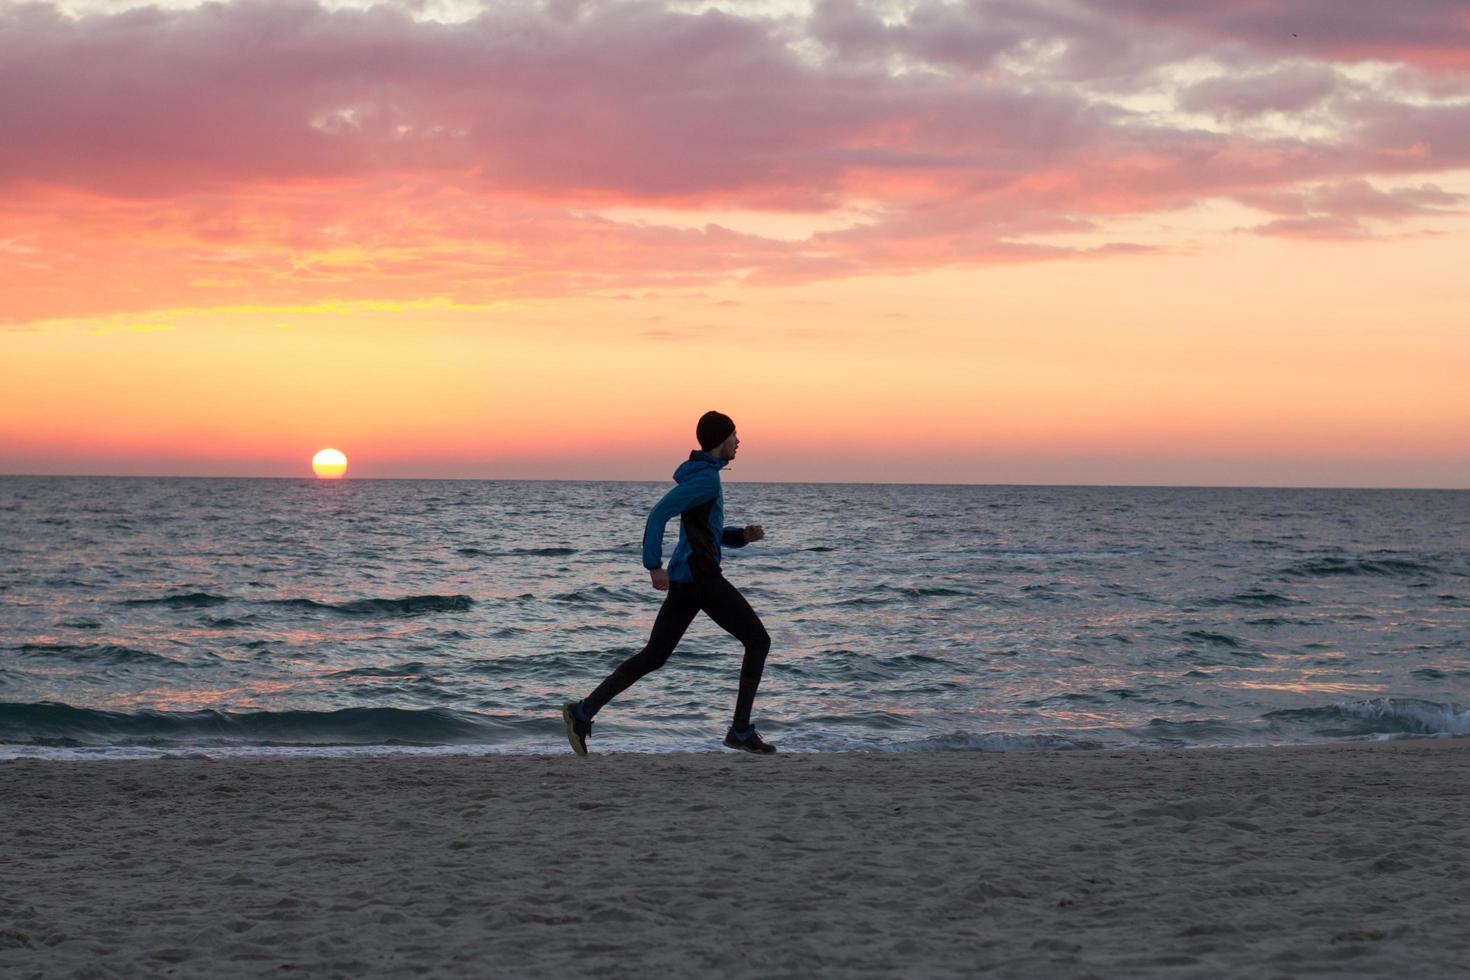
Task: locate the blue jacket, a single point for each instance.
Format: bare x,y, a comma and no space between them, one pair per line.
700,503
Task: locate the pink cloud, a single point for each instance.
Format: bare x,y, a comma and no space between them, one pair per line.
1338,210
937,33
301,152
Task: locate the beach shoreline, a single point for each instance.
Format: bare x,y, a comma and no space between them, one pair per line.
1346,858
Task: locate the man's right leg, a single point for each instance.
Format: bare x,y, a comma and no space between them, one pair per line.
723,603
674,616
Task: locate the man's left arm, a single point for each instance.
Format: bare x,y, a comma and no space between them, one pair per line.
738,537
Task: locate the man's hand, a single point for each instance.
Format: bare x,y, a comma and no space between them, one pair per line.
754,532
660,578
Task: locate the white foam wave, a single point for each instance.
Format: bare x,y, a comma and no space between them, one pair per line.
1410,715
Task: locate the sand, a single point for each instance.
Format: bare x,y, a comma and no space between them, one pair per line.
1346,860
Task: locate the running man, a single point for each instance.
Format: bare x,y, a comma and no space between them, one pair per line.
694,582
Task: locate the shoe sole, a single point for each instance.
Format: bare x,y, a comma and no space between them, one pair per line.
741,748
568,719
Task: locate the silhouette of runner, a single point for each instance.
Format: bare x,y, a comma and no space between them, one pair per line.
694,582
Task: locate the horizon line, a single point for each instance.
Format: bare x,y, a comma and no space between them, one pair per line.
817,483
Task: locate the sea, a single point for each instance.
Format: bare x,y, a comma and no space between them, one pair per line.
145,617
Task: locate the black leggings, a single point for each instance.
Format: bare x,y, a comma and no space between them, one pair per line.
723,603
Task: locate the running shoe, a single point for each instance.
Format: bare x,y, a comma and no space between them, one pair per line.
748,741
578,728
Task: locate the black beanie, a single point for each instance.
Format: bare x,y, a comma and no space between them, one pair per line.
713,429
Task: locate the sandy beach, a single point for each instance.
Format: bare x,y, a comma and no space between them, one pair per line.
1336,860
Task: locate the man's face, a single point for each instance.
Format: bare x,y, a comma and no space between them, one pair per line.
728,447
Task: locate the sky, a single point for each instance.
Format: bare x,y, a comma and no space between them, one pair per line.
987,241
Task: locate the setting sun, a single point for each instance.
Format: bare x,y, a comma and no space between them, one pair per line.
329,464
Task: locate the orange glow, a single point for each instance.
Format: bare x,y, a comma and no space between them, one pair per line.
329,464
1263,361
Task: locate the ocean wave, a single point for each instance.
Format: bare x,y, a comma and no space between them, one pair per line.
961,741
1376,716
1316,567
884,595
1214,639
1187,732
920,592
1435,674
93,653
840,664
597,594
1254,599
1216,655
1065,700
567,663
876,720
55,723
414,605
414,669
183,600
228,622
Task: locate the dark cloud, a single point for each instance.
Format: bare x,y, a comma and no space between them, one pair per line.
1432,34
1289,90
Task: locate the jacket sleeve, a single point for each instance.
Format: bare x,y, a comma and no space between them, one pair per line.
733,537
682,497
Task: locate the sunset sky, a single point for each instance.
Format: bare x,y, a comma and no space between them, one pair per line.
994,241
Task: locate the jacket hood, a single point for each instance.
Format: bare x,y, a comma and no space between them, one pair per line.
699,462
